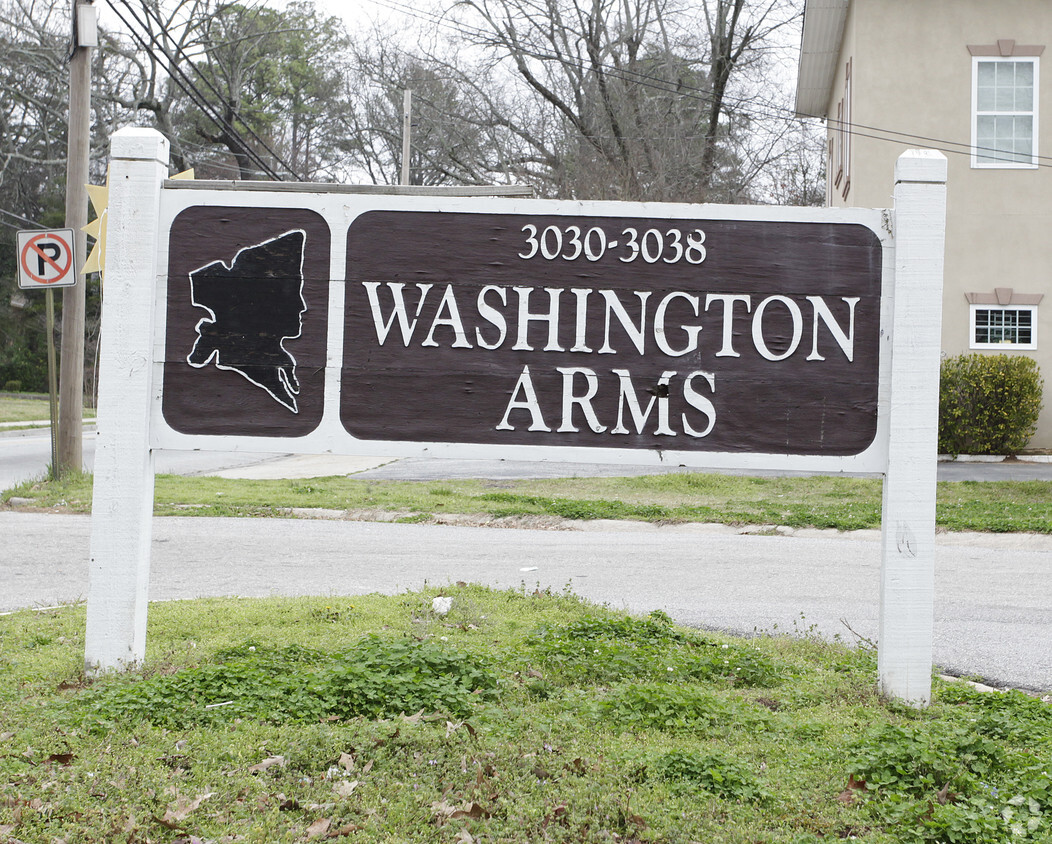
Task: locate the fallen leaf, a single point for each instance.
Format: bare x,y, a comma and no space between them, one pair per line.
465,837
578,766
471,810
61,758
442,808
944,795
850,794
368,766
175,815
414,718
6,736
347,762
345,789
447,811
269,762
348,829
318,828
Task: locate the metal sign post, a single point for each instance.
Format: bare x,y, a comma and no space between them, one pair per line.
46,259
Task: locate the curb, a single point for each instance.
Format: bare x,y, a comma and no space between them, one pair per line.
995,458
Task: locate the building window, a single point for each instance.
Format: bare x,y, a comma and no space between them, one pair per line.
997,327
840,143
846,127
1004,111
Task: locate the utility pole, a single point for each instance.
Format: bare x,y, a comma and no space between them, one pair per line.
407,126
71,365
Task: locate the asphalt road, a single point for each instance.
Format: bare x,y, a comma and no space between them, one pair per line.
992,592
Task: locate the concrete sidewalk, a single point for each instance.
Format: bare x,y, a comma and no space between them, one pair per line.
433,469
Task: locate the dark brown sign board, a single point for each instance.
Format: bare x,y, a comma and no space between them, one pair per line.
640,333
247,312
614,332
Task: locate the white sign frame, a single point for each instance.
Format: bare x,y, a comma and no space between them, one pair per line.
339,211
131,424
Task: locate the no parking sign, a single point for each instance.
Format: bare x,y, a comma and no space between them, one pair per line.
45,259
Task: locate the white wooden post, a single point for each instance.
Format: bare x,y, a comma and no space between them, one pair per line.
908,525
122,510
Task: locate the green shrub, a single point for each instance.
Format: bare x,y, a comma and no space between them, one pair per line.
988,404
13,386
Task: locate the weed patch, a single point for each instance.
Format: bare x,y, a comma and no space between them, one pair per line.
689,770
596,650
376,678
378,720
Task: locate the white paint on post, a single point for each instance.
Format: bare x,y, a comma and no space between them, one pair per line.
904,658
122,512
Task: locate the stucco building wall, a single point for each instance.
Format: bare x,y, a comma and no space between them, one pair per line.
911,72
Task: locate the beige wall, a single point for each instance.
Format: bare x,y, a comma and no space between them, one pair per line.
912,73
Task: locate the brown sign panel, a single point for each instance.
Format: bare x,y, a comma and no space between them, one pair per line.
247,317
636,333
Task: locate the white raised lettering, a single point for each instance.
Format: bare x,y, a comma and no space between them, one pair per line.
528,403
692,331
628,397
569,374
636,333
728,300
846,341
492,316
525,318
757,327
581,294
699,402
399,312
448,305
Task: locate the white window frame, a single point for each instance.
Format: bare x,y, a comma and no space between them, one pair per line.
1004,165
974,309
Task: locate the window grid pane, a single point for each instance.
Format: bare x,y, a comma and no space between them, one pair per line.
1003,326
1004,124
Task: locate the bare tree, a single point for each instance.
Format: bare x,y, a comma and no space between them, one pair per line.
34,42
456,133
643,97
237,88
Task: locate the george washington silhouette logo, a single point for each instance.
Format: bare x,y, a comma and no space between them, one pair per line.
254,305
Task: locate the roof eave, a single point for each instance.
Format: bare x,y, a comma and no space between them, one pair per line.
820,43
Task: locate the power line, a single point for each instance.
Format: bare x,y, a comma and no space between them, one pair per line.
20,218
156,16
745,106
189,88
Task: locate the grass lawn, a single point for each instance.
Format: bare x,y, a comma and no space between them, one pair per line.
17,409
518,716
821,502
